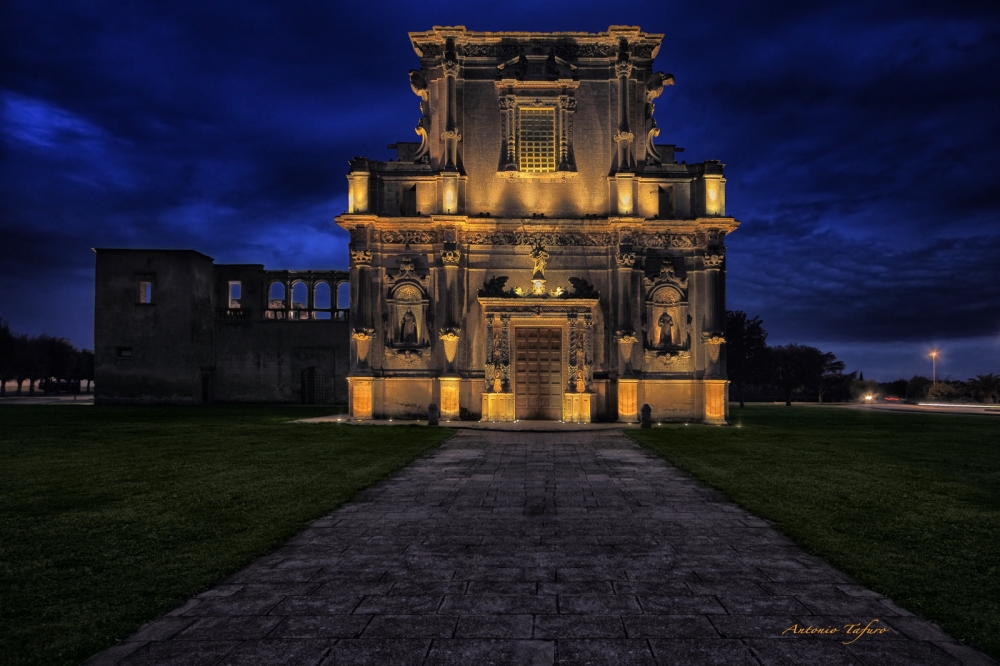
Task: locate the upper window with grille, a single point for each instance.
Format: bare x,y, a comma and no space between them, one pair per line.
536,140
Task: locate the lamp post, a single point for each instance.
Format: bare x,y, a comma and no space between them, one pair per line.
934,355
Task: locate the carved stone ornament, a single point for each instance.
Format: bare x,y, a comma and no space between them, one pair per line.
363,337
361,257
450,257
451,134
714,260
659,241
623,68
407,356
621,136
712,338
667,277
540,258
666,358
450,68
652,155
626,339
406,281
546,239
450,338
407,237
625,259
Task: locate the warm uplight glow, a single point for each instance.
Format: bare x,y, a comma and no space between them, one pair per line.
539,287
449,203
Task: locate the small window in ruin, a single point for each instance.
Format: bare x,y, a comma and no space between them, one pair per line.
408,201
235,293
276,296
321,296
146,291
344,296
666,202
124,352
300,296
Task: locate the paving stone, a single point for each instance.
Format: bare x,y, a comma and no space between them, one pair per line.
377,652
280,652
579,626
494,626
411,626
621,652
702,651
321,626
461,652
536,548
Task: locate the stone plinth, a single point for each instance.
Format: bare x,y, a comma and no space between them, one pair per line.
578,407
498,407
450,394
628,400
360,397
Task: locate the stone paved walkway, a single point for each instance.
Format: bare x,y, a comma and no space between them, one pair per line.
536,548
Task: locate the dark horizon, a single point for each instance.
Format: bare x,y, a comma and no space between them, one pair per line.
861,147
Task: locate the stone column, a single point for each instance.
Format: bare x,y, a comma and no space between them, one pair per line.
361,395
450,136
624,137
508,127
450,335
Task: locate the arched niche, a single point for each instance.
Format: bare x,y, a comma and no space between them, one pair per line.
407,316
276,296
667,319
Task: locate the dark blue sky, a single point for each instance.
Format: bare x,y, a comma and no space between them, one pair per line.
862,143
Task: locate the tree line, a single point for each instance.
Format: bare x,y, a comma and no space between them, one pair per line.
53,364
769,372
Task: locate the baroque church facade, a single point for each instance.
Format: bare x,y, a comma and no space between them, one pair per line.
536,255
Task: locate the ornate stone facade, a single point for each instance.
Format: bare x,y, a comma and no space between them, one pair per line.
535,255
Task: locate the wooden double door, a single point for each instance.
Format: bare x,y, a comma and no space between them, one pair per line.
538,383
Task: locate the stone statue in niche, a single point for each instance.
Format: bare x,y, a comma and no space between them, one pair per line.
666,324
497,382
581,383
409,329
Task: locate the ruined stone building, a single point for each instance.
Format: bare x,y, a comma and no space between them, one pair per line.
536,255
171,326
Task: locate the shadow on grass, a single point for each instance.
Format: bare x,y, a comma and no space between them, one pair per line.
110,516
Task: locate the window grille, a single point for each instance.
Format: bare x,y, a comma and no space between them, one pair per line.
536,144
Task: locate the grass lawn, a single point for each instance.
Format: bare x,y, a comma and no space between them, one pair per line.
908,504
111,516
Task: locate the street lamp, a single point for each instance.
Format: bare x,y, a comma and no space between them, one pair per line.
934,355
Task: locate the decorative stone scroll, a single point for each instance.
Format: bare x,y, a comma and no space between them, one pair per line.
407,236
625,259
361,257
534,239
450,337
450,257
659,241
626,339
714,260
362,339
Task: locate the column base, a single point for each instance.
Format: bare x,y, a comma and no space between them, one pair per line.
359,399
578,407
450,388
628,400
498,407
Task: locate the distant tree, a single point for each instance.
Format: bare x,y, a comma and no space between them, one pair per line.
987,386
945,390
896,388
837,386
746,351
916,388
7,351
865,387
832,374
798,367
57,357
85,367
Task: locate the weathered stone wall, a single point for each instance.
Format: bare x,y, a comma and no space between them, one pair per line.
188,346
